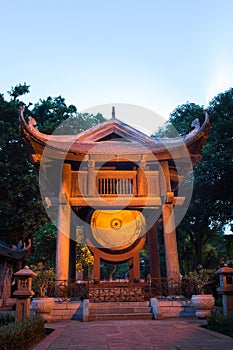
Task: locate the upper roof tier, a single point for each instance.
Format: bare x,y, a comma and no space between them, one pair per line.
113,137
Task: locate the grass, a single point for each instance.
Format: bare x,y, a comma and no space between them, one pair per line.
221,323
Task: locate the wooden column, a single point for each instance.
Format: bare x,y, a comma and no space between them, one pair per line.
131,275
136,267
141,179
154,252
91,178
171,253
72,254
169,232
96,267
63,233
164,179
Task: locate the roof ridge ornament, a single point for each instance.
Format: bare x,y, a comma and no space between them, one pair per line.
113,112
196,124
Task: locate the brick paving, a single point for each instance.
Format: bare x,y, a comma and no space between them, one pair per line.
168,334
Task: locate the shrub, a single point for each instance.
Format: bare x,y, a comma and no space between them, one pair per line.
44,281
22,334
5,319
201,279
221,323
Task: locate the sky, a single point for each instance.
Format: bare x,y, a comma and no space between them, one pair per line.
154,54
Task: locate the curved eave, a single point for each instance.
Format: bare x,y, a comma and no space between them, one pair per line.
73,146
10,253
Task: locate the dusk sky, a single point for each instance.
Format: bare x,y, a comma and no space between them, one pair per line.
154,54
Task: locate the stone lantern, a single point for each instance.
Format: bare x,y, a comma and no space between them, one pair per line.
226,288
24,292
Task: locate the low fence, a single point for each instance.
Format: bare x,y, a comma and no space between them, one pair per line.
122,290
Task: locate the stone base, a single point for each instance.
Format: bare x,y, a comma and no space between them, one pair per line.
63,310
74,310
176,307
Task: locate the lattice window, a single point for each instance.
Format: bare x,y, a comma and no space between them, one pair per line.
112,186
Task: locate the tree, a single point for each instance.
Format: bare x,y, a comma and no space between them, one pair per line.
21,210
199,234
18,91
53,113
180,121
50,113
44,246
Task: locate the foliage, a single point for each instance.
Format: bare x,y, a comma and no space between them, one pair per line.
18,91
44,281
200,233
84,257
6,318
44,246
180,121
144,262
22,334
183,116
53,113
79,122
221,323
50,113
42,260
111,271
21,209
201,278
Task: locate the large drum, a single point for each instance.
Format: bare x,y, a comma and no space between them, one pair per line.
117,229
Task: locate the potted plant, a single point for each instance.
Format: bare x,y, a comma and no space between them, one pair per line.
43,284
84,261
203,301
79,271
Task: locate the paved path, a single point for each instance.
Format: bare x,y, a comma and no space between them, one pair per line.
168,334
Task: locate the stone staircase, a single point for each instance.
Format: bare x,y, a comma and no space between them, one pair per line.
118,311
141,310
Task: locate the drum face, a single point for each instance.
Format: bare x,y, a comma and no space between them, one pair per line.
117,229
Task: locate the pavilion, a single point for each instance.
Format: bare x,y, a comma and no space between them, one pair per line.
121,183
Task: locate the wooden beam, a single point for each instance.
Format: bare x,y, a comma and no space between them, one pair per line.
97,202
117,257
115,201
164,178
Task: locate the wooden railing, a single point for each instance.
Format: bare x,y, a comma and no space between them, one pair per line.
114,183
122,290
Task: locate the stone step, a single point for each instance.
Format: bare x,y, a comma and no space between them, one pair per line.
128,316
120,310
108,305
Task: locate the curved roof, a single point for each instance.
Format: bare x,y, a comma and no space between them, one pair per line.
104,139
16,253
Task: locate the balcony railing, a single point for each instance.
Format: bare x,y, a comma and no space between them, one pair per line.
114,183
